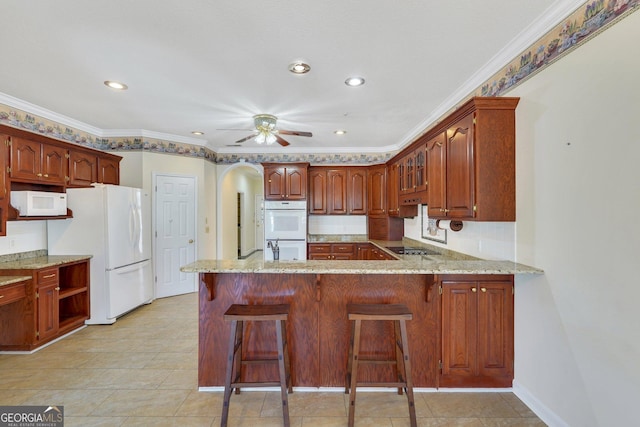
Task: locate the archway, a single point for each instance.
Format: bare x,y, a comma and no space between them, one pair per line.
239,227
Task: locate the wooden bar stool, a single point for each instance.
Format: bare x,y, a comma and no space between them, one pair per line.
398,313
238,314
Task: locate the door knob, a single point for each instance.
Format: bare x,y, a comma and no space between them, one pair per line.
190,240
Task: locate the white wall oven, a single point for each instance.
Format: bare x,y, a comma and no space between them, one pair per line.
285,230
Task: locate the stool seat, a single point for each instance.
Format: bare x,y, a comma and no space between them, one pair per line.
237,314
398,314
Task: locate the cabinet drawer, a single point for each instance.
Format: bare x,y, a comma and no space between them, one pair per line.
343,248
13,292
319,248
48,276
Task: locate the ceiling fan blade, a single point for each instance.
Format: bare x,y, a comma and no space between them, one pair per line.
294,132
245,139
280,140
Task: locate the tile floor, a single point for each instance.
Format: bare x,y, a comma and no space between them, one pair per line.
142,371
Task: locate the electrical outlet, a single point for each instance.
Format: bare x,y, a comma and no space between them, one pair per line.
12,243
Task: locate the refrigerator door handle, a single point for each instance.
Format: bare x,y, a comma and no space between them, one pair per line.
129,268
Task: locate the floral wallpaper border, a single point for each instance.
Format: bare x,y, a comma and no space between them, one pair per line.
585,23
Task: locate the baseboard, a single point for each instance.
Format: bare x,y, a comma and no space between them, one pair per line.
549,417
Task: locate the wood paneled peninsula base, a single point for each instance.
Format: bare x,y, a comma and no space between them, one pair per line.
470,344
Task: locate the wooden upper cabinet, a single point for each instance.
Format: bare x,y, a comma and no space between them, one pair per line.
285,181
393,189
477,166
33,161
108,170
83,168
357,191
317,191
377,190
436,175
337,192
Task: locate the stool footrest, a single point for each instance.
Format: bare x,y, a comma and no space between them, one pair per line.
256,384
260,362
378,362
382,384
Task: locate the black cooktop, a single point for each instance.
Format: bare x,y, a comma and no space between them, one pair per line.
407,250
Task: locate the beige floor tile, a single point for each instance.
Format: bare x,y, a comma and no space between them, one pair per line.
118,360
15,397
129,379
173,360
201,404
76,403
141,403
186,379
169,422
469,405
307,404
93,421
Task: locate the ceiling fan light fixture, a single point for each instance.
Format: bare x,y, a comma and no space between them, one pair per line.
354,81
197,132
260,138
299,67
270,139
340,132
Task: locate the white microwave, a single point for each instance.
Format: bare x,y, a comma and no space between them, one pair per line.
39,203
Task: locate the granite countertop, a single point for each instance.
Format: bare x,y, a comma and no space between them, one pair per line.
10,280
445,262
42,261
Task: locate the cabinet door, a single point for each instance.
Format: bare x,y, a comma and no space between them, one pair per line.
296,183
83,168
420,156
55,161
459,332
108,171
363,251
357,191
460,169
4,183
408,177
393,189
377,190
317,191
48,316
495,329
274,183
25,159
337,192
437,176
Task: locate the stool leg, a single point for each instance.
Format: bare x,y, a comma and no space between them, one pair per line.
287,362
354,372
231,352
407,373
283,372
397,342
347,380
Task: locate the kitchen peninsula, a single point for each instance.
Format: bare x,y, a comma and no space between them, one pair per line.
461,334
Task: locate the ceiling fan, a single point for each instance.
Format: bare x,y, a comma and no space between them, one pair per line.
266,132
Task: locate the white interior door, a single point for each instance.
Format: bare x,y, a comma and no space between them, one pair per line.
175,234
259,221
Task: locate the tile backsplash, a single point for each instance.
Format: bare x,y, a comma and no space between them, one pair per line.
337,224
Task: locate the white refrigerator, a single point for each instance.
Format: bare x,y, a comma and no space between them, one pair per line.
112,223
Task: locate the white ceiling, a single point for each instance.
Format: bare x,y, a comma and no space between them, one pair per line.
206,65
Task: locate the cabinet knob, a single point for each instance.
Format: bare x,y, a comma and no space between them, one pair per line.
474,290
38,174
483,289
57,288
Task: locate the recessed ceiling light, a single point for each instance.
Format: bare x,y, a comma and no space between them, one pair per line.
197,132
340,132
299,67
116,85
354,81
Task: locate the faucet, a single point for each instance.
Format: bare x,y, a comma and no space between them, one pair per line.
275,248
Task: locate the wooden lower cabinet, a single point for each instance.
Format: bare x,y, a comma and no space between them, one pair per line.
56,302
477,331
332,251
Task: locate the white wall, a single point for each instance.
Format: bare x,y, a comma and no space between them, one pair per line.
24,236
577,330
